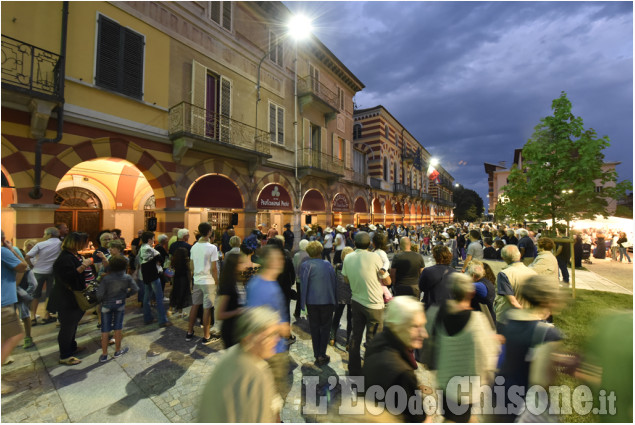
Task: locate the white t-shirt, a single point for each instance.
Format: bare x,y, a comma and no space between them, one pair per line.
328,241
340,242
202,255
45,253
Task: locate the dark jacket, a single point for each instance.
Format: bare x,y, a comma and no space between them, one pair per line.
65,272
388,362
116,286
434,285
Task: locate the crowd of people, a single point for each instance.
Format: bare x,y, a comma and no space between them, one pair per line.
488,295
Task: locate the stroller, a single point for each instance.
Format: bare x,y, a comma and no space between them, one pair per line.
586,253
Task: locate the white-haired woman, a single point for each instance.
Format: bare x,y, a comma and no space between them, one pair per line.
389,359
241,387
466,346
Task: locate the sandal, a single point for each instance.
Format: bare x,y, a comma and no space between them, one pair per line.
70,361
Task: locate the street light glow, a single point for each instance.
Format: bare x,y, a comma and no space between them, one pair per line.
434,161
300,27
456,184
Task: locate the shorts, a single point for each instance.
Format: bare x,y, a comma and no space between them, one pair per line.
41,278
23,309
11,325
204,294
112,316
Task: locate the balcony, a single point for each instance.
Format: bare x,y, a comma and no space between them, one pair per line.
312,93
375,183
359,178
30,70
319,164
426,196
192,127
402,188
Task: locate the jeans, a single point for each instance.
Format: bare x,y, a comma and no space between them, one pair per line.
320,317
562,264
339,310
41,279
373,321
153,288
69,319
112,316
623,252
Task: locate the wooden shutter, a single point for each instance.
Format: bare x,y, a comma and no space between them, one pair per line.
225,110
109,43
334,141
280,126
348,154
215,11
272,122
132,64
227,15
323,139
199,91
306,127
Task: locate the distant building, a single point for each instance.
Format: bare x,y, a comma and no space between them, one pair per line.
497,175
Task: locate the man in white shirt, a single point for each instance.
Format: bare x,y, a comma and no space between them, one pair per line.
204,262
328,244
361,270
44,253
339,244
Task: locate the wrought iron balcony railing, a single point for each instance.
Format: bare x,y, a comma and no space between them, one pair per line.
414,192
319,160
375,183
402,188
30,69
186,119
310,85
426,196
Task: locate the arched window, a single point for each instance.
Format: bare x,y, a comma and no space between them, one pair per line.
357,131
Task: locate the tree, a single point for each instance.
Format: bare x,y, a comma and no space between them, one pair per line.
560,165
469,205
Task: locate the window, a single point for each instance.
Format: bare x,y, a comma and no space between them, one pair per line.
359,162
276,123
387,131
275,47
315,78
340,98
119,64
386,170
598,189
357,131
338,147
221,13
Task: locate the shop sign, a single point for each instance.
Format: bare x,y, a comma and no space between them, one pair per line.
340,203
274,197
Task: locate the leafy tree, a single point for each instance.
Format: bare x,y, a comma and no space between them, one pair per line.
469,205
561,163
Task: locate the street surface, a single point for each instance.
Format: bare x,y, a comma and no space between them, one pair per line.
161,378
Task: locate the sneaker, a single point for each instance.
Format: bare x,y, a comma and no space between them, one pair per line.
211,339
103,358
28,342
112,341
189,336
121,352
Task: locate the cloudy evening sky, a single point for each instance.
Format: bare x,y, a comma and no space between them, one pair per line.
470,80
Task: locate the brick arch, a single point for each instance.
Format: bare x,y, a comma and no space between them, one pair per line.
158,177
18,169
281,179
217,166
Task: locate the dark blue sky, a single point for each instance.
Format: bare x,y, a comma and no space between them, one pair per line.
470,80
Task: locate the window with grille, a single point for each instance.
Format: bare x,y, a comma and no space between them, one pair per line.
219,220
119,62
276,123
275,47
221,13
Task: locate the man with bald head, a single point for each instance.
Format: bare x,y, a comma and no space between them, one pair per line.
361,270
405,270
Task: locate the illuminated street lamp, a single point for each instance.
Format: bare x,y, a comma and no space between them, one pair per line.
434,162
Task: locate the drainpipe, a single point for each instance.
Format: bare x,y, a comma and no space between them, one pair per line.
36,192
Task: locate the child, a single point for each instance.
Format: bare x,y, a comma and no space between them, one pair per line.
115,287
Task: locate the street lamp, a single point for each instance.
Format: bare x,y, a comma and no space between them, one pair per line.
456,185
434,162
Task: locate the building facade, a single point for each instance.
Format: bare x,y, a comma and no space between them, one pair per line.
116,112
405,187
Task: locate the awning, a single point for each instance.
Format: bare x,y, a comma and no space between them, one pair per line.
360,205
214,191
313,201
274,197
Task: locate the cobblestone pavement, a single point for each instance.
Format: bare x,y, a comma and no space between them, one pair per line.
159,380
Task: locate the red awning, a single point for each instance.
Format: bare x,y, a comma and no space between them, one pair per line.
313,202
214,191
360,205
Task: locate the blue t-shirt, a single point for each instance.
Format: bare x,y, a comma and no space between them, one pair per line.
266,292
9,262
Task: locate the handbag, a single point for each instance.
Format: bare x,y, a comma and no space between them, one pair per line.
86,298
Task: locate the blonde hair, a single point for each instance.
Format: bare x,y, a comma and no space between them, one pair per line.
235,241
475,269
314,249
31,242
347,250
